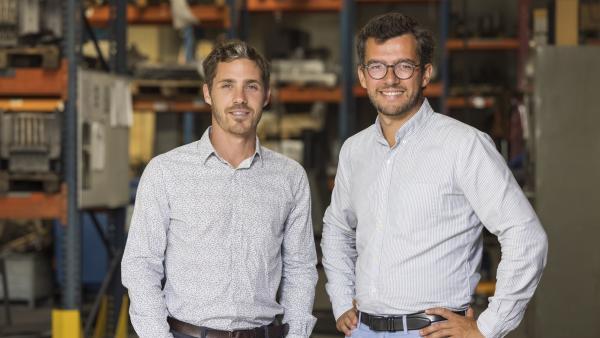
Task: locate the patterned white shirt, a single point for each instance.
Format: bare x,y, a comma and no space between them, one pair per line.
403,231
225,239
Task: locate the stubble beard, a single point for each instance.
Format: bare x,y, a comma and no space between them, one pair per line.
232,126
403,109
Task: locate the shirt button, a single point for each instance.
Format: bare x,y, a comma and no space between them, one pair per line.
389,160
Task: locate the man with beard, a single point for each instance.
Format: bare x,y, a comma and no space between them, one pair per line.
221,224
402,237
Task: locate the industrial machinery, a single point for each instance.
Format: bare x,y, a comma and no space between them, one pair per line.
29,151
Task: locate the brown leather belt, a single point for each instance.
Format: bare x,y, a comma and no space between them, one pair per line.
415,321
267,331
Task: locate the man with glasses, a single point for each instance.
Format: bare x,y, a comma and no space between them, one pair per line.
402,237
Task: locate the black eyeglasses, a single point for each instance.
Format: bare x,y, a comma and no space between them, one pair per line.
403,70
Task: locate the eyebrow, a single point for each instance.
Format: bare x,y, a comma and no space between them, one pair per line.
245,81
393,63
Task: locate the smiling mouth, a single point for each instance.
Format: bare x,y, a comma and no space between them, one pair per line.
391,92
240,113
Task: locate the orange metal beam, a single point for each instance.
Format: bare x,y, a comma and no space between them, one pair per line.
35,82
432,90
297,94
395,1
482,44
173,106
293,5
35,205
31,105
462,102
486,288
209,15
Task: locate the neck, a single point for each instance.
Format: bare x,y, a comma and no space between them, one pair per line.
232,148
390,124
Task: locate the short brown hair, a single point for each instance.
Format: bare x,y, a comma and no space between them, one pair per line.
230,50
391,25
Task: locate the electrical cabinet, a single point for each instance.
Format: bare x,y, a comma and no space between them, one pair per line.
105,114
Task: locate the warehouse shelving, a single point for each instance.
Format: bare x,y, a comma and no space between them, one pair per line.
302,94
35,205
208,15
171,105
482,44
35,82
293,6
31,104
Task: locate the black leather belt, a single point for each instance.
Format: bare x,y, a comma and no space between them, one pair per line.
415,321
267,331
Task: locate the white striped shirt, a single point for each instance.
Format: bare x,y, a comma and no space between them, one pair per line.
403,231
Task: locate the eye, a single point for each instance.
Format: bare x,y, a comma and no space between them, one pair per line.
253,86
406,67
376,67
226,85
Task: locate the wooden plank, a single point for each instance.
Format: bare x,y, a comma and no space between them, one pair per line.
208,15
35,205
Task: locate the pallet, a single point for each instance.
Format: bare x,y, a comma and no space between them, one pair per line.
46,57
167,88
46,182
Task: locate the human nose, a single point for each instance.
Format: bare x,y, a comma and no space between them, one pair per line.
239,96
390,75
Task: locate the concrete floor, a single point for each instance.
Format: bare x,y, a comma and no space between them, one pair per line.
27,322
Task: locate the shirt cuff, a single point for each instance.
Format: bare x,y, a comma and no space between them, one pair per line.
340,309
291,335
300,327
488,324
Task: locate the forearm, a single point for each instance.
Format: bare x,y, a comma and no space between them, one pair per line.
297,298
524,256
339,260
148,310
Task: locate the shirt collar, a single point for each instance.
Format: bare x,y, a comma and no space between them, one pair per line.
415,122
206,150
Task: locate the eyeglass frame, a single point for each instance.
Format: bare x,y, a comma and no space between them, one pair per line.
393,66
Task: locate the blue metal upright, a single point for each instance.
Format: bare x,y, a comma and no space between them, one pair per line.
71,297
189,42
445,63
347,113
233,32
